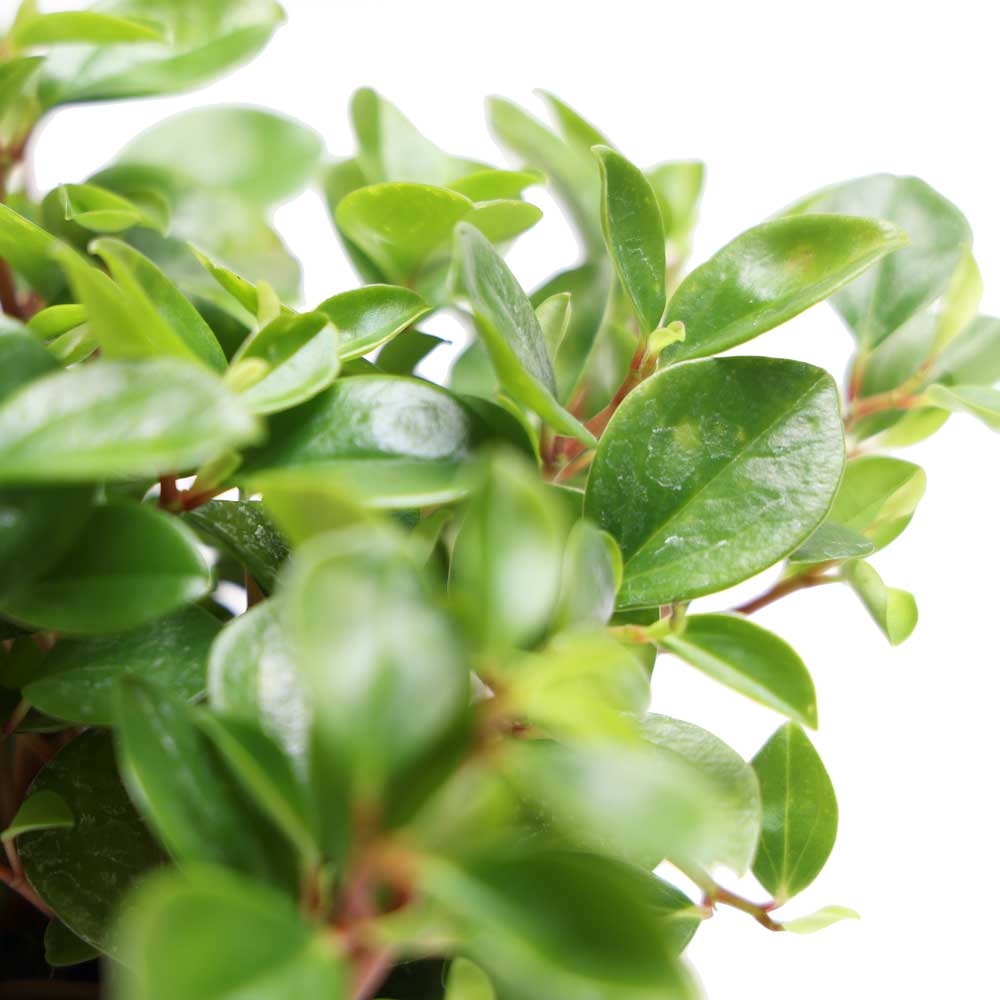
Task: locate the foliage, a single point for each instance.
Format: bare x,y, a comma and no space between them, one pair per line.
319,679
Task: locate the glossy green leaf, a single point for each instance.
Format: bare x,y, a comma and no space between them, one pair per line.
369,317
893,610
205,38
212,935
800,813
557,923
738,794
368,686
44,810
877,497
28,249
115,420
81,27
187,791
77,679
63,947
820,920
506,563
633,231
83,872
243,529
832,542
511,331
979,401
904,282
750,660
384,440
591,576
101,211
232,148
129,565
771,273
252,676
709,473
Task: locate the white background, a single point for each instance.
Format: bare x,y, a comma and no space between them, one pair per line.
778,98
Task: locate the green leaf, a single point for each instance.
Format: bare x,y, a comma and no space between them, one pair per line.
978,400
831,542
366,318
877,497
187,791
511,331
554,315
960,301
77,679
64,948
800,813
16,75
368,686
232,148
212,935
22,360
116,420
591,576
491,185
44,810
738,794
466,981
506,563
243,529
750,660
633,231
678,187
904,282
553,923
82,873
28,249
402,354
83,27
102,211
893,610
972,357
206,37
573,127
820,920
252,676
128,566
771,273
383,440
709,473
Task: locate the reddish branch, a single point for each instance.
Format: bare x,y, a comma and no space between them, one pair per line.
782,589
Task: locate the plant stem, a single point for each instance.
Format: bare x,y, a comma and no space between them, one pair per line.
761,912
370,971
782,589
16,718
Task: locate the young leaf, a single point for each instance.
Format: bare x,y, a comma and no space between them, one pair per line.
77,678
232,148
259,944
101,211
83,872
116,420
633,231
510,329
369,317
819,920
894,611
771,273
800,813
750,660
129,565
978,400
44,810
905,282
696,479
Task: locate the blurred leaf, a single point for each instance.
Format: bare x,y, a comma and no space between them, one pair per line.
893,610
819,920
28,249
492,185
800,813
678,187
978,400
44,810
103,211
366,318
960,301
591,575
466,981
82,27
972,357
402,354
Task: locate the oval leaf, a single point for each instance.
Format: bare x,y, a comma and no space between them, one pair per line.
368,317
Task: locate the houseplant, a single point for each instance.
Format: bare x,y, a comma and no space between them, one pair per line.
422,761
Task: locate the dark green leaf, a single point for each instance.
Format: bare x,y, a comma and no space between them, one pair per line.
709,473
63,947
369,317
771,273
77,679
800,813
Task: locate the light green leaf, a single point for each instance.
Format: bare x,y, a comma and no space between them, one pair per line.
819,920
978,400
905,282
511,331
44,810
972,357
466,981
678,187
259,945
102,211
633,231
366,318
77,678
16,76
709,473
554,315
960,301
893,610
800,813
771,273
129,565
83,27
738,794
591,576
831,542
116,420
28,249
750,660
491,185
